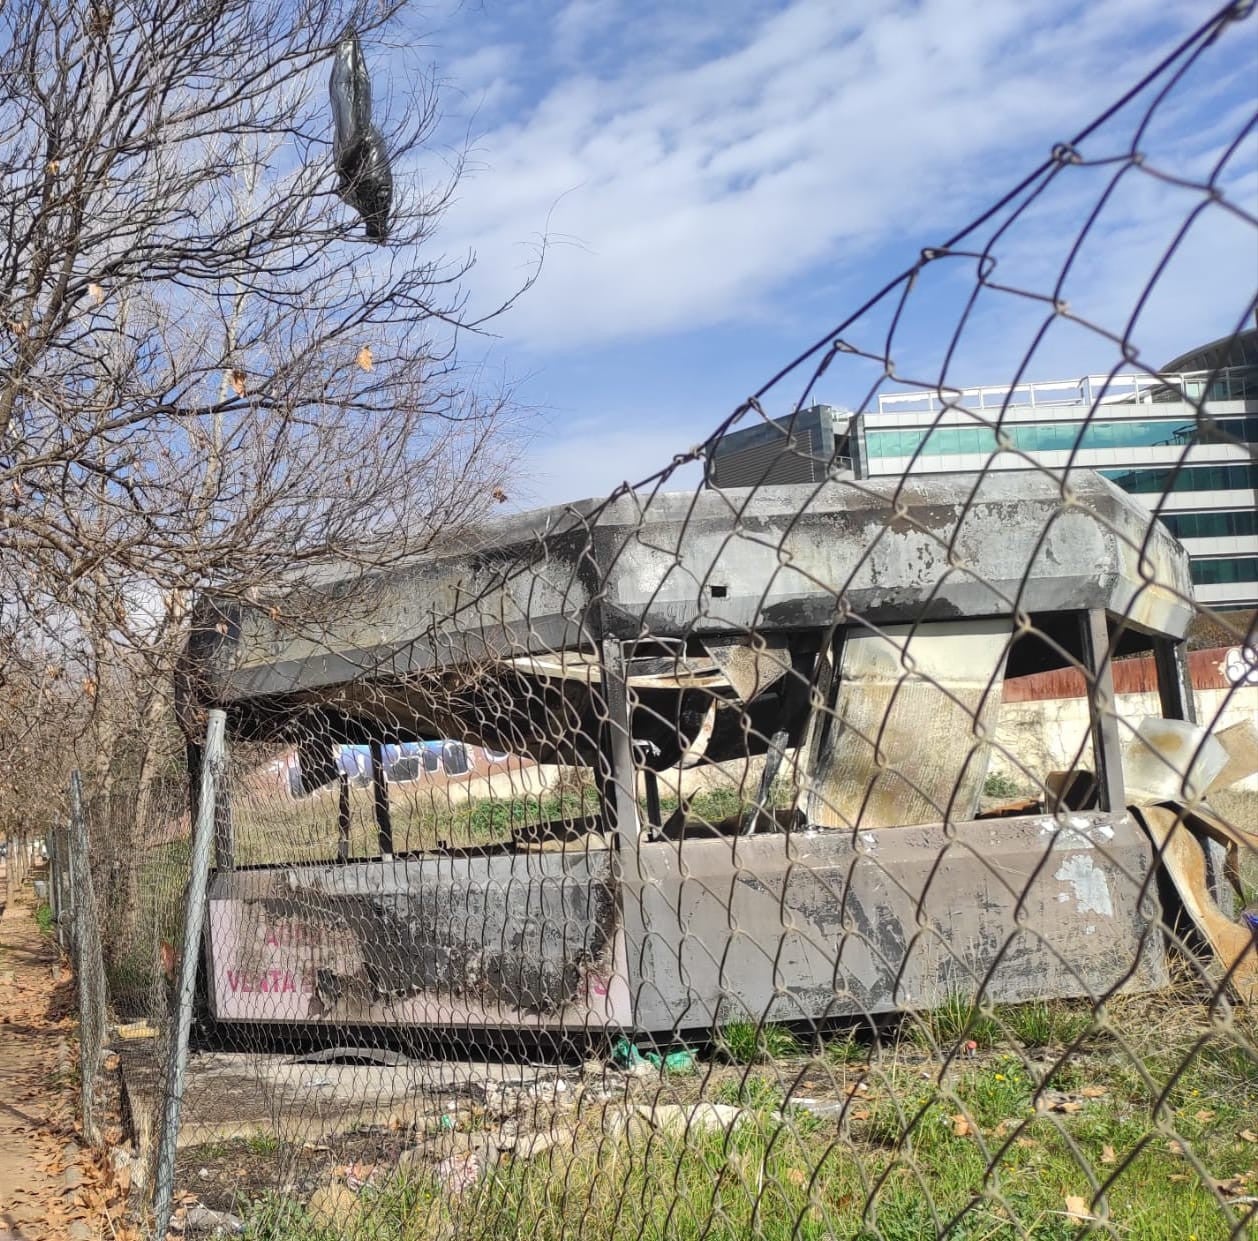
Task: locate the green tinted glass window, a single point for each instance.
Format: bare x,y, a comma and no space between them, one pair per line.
1240,524
1224,572
1155,480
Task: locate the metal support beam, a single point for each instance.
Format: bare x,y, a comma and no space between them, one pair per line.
654,815
620,802
342,818
1106,743
213,766
764,792
380,800
1174,680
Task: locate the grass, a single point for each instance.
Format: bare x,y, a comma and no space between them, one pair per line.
750,1042
282,830
845,1049
1157,1112
1044,1023
998,784
955,1021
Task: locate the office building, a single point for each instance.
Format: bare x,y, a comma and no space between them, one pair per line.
1185,443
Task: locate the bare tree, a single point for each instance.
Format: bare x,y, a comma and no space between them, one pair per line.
209,376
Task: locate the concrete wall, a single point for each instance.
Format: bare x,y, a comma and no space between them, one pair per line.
1048,735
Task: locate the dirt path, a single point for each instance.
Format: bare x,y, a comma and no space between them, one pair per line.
36,1126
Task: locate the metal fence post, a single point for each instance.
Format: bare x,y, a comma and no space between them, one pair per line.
203,836
89,963
56,902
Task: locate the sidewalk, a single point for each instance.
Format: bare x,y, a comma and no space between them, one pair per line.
37,1199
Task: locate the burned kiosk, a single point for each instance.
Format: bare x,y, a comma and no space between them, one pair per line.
844,643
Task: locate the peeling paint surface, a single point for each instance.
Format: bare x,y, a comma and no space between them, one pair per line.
1089,883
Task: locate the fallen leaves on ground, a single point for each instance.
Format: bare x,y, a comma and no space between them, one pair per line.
1077,1208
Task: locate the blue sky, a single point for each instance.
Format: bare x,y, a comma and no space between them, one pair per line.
719,183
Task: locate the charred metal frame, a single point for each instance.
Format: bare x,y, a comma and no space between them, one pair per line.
663,929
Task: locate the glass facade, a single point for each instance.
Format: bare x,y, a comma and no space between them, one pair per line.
1240,523
1050,436
1113,418
1158,480
1225,571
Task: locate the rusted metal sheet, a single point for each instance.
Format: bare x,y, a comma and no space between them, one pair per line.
1240,741
1185,862
834,923
1171,760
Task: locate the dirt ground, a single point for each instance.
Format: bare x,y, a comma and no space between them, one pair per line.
50,1187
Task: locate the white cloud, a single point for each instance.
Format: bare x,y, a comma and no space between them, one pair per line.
695,194
717,179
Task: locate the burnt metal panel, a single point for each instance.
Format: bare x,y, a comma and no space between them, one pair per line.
830,923
673,565
506,938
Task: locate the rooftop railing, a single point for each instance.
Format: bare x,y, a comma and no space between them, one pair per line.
1232,383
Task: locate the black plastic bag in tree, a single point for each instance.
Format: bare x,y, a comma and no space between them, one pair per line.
362,163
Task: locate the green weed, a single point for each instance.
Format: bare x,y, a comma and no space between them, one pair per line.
998,784
1042,1023
956,1021
749,1042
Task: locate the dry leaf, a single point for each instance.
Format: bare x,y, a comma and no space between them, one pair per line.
861,1113
1093,1092
1203,1116
1107,1154
1179,1176
1069,1106
961,1127
1077,1208
499,495
796,1177
237,381
364,358
1234,1186
1175,1146
96,293
54,166
1249,1135
1025,1142
359,1174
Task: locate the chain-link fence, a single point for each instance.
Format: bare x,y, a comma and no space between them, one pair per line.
68,889
847,845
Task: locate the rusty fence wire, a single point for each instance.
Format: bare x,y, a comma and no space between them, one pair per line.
847,844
